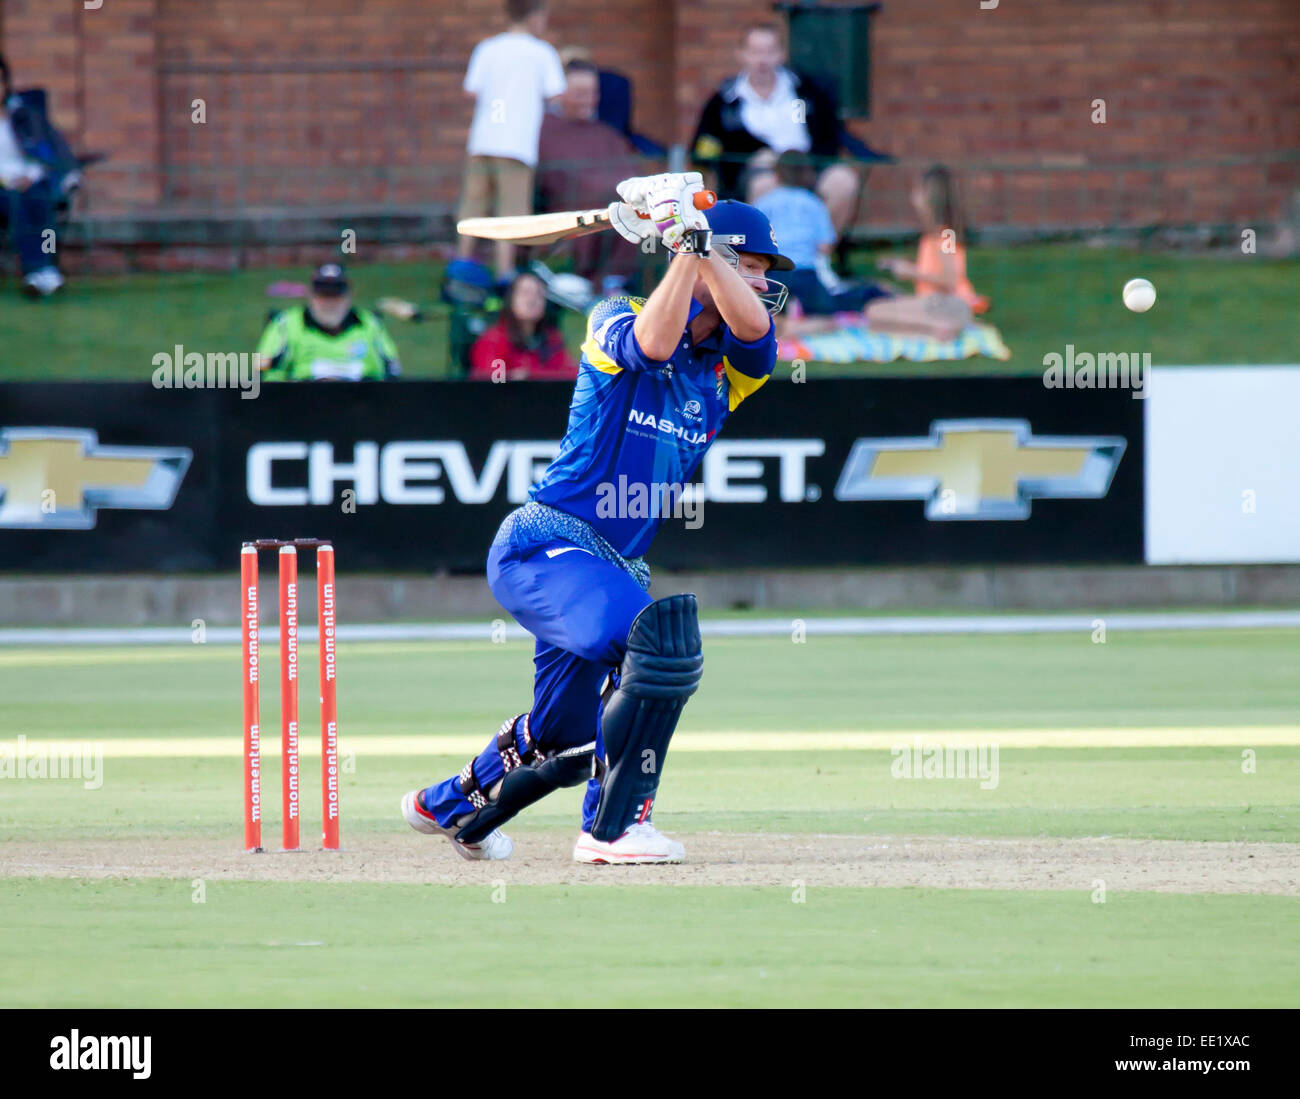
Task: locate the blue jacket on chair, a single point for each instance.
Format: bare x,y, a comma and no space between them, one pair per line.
41,142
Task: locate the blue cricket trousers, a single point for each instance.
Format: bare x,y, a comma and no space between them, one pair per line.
580,608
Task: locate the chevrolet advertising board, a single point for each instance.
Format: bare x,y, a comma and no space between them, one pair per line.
416,476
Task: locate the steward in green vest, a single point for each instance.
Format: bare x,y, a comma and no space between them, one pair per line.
328,339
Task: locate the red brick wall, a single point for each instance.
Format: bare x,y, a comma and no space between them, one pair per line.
100,68
312,101
119,92
387,122
336,101
1183,81
40,41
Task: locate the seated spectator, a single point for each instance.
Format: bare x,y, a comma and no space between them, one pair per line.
767,110
802,224
580,161
510,77
36,167
328,339
524,344
944,299
614,102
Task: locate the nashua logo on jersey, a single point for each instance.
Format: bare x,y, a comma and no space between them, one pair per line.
686,434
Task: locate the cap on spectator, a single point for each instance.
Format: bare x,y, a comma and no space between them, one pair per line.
330,279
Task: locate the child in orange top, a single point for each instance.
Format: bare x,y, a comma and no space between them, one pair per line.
944,299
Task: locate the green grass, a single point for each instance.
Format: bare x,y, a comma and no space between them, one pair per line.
256,945
1025,681
145,942
1168,793
997,684
1211,310
110,327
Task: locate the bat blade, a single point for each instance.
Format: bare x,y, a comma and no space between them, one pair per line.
536,228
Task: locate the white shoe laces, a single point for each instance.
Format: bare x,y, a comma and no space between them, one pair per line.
492,837
645,829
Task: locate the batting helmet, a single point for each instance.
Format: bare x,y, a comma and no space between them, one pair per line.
746,229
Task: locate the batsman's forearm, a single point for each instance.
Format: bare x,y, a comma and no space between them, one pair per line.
662,320
741,308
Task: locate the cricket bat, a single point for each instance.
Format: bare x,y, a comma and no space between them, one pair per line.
550,228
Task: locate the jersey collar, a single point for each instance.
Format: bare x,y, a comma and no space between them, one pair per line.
349,321
713,340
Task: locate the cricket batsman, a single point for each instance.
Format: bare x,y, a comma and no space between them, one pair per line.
613,668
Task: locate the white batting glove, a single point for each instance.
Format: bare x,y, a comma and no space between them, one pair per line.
630,225
675,215
637,190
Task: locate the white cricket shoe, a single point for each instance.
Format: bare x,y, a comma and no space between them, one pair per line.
43,283
642,843
496,845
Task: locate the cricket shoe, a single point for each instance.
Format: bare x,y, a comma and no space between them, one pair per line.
642,843
42,283
493,846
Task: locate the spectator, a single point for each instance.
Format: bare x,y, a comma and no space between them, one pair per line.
524,344
614,103
36,168
944,299
510,77
580,161
802,223
767,110
328,339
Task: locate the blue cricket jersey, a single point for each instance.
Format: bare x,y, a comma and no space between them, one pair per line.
637,423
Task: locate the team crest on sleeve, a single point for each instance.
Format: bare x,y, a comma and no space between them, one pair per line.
720,380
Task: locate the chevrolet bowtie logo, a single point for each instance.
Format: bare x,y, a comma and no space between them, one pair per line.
56,478
980,469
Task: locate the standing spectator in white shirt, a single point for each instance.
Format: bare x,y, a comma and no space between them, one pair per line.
510,77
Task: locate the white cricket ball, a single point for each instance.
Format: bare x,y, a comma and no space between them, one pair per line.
1139,295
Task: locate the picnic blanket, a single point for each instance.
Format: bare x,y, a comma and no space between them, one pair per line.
856,343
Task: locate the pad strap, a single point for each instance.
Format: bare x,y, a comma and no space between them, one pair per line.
469,786
527,784
508,744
